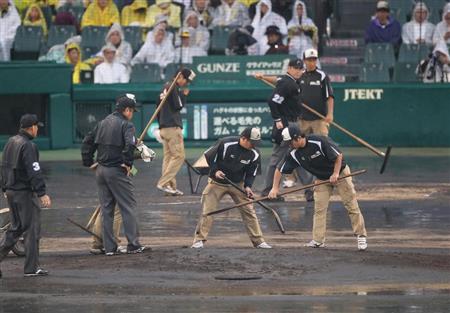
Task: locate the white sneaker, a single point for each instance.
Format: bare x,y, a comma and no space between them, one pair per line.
263,245
178,192
315,244
362,243
197,244
122,249
167,189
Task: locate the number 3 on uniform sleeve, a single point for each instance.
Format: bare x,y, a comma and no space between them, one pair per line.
277,98
36,166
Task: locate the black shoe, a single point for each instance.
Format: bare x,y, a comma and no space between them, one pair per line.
136,250
39,272
309,195
277,199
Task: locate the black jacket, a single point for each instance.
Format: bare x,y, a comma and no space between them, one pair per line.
20,168
114,140
316,89
285,104
170,116
238,163
317,157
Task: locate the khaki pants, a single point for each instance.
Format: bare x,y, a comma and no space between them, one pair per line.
173,155
97,228
317,127
347,193
210,201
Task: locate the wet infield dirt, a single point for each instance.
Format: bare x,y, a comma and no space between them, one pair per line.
405,269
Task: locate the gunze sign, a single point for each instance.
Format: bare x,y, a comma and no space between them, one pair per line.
239,67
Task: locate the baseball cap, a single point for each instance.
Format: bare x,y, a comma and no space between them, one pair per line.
188,74
127,100
382,5
185,33
28,120
273,29
310,54
291,132
253,134
296,63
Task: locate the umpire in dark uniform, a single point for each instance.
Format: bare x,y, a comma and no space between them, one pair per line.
114,140
23,183
316,93
285,107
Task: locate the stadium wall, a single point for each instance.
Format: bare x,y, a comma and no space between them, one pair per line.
409,115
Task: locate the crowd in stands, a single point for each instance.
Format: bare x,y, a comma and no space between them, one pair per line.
418,31
176,31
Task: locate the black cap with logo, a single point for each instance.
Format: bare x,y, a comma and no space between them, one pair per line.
291,132
253,134
127,100
296,63
188,74
28,120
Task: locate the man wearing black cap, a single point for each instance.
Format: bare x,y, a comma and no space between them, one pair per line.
24,186
275,41
114,140
322,158
171,131
237,159
285,107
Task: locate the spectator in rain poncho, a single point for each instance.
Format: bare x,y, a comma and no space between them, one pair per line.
418,30
157,49
185,53
134,14
100,13
230,13
115,37
57,52
9,21
442,31
199,34
303,32
161,22
437,68
110,71
35,17
201,8
166,8
73,57
264,18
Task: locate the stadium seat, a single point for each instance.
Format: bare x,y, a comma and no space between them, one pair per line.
413,53
133,35
77,11
88,52
58,34
380,53
27,43
93,36
401,4
405,72
146,73
48,15
172,68
374,73
401,15
219,39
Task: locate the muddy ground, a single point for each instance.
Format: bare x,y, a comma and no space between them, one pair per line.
405,269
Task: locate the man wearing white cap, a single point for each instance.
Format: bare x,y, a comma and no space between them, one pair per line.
110,71
384,28
237,159
316,93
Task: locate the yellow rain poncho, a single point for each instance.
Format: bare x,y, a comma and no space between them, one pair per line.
135,13
95,16
173,13
80,66
22,5
39,22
